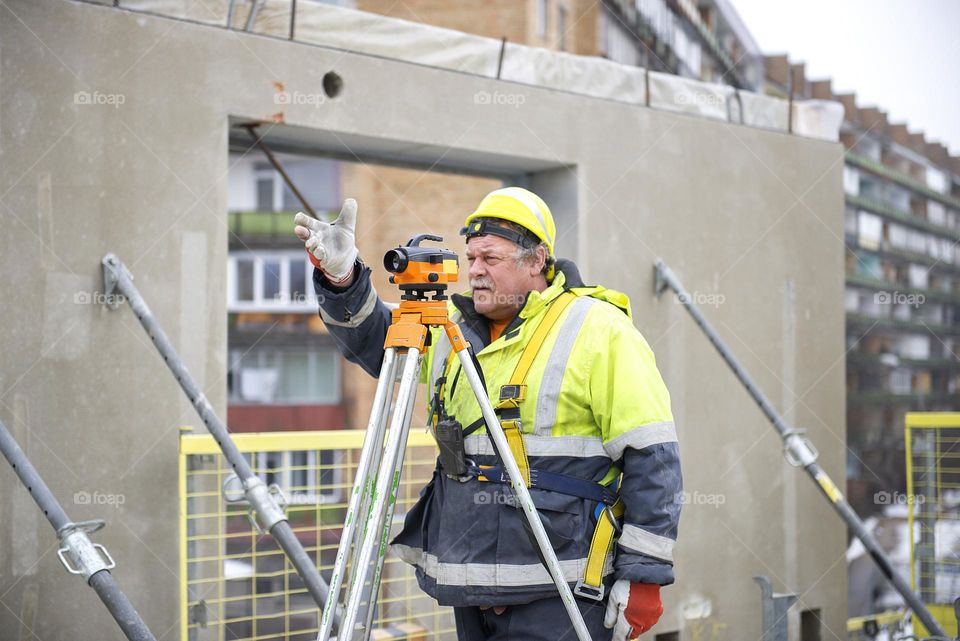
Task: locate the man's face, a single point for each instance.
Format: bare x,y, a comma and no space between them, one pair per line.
499,283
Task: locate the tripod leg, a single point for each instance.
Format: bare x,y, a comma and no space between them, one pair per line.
377,455
386,492
362,485
523,495
387,526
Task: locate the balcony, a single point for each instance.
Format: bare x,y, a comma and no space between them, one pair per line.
879,285
865,360
900,178
901,216
861,321
888,251
914,400
265,228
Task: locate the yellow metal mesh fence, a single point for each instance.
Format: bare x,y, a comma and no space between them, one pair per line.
236,584
933,492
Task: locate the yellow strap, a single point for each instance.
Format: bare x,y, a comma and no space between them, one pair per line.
601,544
533,346
512,428
518,448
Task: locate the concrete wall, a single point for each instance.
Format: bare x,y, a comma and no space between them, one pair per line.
750,219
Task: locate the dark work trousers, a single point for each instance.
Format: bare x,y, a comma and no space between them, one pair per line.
543,620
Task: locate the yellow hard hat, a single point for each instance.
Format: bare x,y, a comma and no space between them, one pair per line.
519,206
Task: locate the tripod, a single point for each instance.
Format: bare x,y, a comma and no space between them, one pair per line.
418,271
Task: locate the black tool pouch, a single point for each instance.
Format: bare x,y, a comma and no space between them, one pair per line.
453,458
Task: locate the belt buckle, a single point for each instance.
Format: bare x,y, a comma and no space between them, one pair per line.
588,591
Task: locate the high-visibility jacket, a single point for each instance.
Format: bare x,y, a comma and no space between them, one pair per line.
595,406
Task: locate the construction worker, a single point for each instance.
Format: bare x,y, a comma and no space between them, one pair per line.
589,424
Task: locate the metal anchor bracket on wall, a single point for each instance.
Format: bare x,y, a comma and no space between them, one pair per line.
774,607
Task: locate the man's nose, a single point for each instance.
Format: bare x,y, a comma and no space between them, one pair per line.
477,269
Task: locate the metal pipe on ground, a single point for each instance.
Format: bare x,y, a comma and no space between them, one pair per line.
798,450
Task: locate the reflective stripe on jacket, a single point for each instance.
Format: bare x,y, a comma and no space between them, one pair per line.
595,405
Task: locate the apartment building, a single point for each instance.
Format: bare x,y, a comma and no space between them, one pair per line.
705,40
902,230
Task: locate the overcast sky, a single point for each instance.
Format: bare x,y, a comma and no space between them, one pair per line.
900,55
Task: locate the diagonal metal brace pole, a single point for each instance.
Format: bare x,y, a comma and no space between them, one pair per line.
798,450
77,552
262,146
118,286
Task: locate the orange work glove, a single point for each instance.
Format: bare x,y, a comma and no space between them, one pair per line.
632,609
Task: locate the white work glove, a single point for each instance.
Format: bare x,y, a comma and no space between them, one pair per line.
332,245
632,609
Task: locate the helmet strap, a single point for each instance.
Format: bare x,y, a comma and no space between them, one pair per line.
484,227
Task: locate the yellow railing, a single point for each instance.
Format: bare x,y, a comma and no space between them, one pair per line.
933,511
236,584
868,627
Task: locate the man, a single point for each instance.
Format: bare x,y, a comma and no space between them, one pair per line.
590,414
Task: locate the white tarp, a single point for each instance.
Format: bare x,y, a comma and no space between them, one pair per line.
373,34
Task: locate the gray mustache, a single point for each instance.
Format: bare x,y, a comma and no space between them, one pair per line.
481,282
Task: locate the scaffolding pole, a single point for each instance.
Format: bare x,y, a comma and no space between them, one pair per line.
77,552
798,450
266,511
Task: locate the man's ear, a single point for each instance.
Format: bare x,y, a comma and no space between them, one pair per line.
537,266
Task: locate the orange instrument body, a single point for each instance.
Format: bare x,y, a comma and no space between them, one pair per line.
418,271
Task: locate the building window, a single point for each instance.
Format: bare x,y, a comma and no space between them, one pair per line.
254,184
851,180
265,189
243,281
277,281
543,6
307,477
284,376
616,43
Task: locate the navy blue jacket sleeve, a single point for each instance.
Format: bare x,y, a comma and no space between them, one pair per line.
652,489
356,318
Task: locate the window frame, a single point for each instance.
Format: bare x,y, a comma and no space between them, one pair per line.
236,356
285,304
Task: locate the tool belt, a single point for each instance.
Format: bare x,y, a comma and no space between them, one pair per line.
610,507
